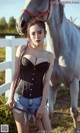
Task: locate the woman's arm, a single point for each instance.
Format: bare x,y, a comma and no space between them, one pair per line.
16,70
47,80
45,87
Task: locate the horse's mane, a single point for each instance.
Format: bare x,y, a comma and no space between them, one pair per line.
61,11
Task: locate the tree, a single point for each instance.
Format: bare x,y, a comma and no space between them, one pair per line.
3,24
73,19
12,23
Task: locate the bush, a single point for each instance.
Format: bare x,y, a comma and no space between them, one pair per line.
6,116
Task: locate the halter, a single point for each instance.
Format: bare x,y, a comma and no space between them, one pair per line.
41,14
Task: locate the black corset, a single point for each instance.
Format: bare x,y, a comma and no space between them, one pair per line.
33,75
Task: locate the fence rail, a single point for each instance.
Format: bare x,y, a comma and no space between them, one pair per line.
8,65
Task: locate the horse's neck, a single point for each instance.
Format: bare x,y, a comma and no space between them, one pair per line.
56,32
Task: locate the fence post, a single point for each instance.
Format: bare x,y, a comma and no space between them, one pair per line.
9,57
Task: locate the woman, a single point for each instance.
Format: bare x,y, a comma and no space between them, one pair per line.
34,65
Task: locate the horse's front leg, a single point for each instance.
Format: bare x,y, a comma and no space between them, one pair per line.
52,100
74,92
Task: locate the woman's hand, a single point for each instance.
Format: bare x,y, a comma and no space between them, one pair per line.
10,104
40,112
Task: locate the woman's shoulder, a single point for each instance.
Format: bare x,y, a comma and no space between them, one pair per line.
20,49
50,54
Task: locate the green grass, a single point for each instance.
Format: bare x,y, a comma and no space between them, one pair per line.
2,58
2,78
2,54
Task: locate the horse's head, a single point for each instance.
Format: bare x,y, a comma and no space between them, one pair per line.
33,8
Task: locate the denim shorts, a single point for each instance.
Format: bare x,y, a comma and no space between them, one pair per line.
26,104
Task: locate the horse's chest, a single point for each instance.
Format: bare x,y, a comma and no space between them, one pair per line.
61,72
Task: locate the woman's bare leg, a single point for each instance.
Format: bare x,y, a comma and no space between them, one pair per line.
44,123
22,125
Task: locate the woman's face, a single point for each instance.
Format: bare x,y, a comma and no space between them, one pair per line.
37,35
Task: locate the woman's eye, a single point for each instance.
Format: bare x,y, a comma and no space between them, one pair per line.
33,33
39,32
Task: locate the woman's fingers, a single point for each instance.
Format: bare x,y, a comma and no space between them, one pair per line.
39,115
10,105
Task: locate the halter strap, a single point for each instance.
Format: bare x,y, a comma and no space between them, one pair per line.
31,113
41,14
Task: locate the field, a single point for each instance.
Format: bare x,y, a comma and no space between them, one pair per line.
2,58
61,121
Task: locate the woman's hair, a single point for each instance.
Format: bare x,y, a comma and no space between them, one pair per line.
33,22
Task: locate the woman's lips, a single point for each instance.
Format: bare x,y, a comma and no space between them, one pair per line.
38,41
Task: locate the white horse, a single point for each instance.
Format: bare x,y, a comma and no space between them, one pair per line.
64,42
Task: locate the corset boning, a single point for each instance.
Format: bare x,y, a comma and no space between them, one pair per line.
31,78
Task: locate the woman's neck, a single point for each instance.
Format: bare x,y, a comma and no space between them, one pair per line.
33,47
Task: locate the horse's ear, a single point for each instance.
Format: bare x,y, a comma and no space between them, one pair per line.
26,1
